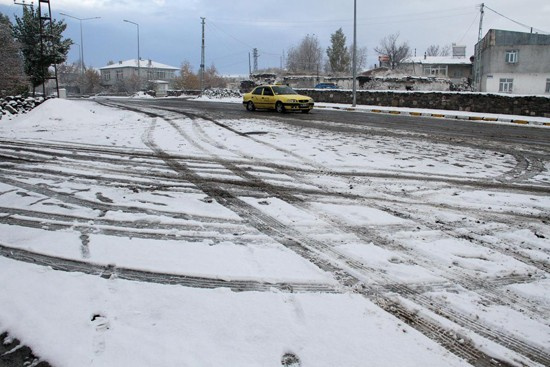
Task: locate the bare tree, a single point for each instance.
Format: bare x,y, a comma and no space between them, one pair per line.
187,79
127,85
90,82
395,51
436,50
68,74
306,57
432,50
361,58
212,79
445,51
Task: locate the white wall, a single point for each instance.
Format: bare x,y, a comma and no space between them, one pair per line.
523,83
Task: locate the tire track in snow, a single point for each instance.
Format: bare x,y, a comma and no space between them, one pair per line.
326,259
347,279
473,284
108,271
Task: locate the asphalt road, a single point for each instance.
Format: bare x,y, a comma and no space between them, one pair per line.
475,133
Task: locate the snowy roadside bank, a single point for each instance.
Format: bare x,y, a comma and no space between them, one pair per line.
475,117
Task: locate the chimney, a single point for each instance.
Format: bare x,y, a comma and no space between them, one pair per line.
150,64
425,55
120,62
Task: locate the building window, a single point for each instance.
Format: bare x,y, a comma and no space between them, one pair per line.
119,75
150,75
435,70
547,90
161,75
107,76
512,56
506,85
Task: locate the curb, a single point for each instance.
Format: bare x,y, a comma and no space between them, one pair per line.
447,116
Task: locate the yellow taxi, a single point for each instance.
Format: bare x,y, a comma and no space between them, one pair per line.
280,98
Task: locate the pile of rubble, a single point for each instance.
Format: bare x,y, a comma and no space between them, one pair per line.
220,93
14,105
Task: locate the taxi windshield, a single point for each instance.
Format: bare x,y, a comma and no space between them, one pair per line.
283,90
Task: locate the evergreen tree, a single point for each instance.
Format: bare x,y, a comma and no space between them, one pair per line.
55,48
338,54
12,78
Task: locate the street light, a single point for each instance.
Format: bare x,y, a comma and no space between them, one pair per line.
81,39
354,102
79,52
139,67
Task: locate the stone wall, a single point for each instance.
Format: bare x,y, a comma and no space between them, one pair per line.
473,102
14,105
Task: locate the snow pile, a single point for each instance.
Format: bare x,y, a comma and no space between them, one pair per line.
78,122
221,93
148,94
15,105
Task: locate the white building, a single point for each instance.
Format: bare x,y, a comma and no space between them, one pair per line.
150,71
457,68
513,62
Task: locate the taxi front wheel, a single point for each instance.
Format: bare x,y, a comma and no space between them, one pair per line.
279,107
250,106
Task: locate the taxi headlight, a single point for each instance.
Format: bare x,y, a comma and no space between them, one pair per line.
292,101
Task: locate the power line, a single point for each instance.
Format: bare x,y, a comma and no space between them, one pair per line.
515,21
286,22
230,35
241,41
469,28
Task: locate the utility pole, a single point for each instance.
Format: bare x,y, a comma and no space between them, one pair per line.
477,60
202,57
255,55
482,10
354,66
249,66
46,20
43,18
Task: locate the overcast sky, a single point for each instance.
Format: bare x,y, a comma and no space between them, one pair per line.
170,30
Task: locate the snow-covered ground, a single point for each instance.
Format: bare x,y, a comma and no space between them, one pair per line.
135,240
